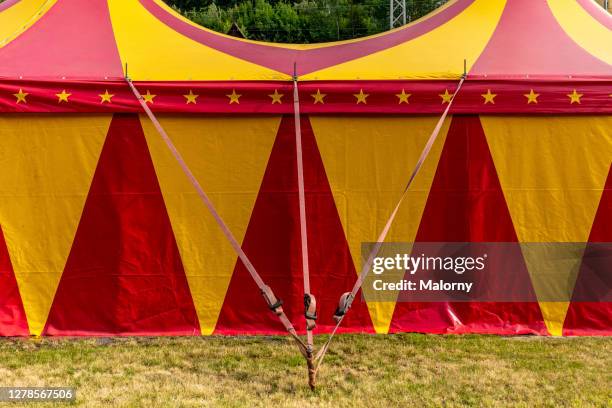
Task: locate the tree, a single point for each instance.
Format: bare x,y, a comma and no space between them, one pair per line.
305,21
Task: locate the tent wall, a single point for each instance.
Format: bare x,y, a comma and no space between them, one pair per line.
103,234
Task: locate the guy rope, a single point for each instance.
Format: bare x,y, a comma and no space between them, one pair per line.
274,303
310,303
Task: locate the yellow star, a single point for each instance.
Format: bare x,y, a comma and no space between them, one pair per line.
361,97
106,97
234,97
489,97
575,97
191,98
318,97
403,97
148,97
21,96
532,97
276,97
62,97
446,97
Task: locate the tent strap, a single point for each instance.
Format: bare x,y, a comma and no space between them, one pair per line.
310,303
309,299
347,298
274,304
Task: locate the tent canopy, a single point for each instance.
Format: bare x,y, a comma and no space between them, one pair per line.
521,56
74,39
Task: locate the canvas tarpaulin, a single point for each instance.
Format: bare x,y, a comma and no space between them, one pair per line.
103,234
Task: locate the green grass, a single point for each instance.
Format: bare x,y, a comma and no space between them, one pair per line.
360,370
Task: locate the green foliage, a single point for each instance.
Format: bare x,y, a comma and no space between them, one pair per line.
306,21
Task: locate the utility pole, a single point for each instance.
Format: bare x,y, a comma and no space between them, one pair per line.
397,13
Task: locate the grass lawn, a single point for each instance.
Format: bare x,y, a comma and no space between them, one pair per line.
360,370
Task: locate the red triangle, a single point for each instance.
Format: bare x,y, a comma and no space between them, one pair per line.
272,242
13,320
586,317
466,204
124,274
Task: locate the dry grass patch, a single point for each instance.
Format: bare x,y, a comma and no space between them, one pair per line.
360,370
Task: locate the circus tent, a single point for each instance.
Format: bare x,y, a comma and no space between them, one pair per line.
101,232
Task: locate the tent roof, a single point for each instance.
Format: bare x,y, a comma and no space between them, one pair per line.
506,39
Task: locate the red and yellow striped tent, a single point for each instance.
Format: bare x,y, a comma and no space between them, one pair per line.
102,233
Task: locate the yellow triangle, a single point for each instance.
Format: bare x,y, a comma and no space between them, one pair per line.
368,162
229,158
553,268
47,166
552,171
554,315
